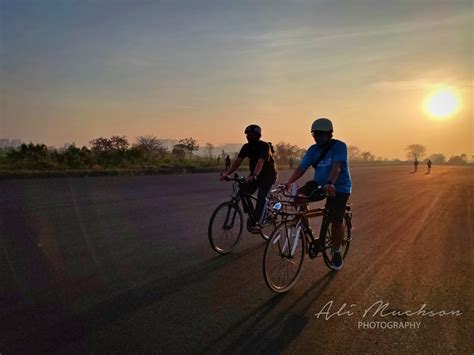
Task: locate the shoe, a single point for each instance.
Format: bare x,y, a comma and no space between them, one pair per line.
336,262
314,249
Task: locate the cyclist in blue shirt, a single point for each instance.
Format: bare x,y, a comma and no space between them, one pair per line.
332,172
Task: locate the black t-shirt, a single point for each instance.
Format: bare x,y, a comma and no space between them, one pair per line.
256,151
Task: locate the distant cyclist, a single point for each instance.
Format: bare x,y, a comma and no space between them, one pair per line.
332,172
263,171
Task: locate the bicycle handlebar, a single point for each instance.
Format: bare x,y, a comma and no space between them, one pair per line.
236,178
295,199
282,189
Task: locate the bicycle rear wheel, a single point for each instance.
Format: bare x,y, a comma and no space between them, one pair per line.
327,255
225,227
284,255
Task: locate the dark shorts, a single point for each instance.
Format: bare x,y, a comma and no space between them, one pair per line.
337,206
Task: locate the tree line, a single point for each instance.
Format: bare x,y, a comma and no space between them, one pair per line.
113,152
148,151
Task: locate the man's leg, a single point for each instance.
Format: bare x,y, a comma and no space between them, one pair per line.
263,189
337,231
337,207
248,188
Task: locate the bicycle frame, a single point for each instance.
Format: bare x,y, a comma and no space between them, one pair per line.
245,198
303,224
248,200
314,213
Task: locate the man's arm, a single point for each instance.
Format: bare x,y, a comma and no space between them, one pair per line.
235,165
306,162
333,175
335,170
258,167
265,153
257,170
339,161
299,172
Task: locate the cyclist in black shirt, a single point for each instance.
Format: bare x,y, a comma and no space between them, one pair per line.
263,171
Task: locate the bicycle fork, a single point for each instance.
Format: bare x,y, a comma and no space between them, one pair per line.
289,245
228,226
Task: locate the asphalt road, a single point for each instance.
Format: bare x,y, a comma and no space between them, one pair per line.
123,265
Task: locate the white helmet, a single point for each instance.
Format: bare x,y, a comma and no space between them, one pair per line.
322,124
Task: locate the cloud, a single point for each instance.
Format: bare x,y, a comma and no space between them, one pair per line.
420,84
309,36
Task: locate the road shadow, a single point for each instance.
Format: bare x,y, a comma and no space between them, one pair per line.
74,327
262,332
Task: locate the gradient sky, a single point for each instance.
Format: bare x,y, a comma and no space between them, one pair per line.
77,70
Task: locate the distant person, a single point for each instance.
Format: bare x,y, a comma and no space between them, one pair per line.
218,160
415,164
332,172
291,161
263,171
429,166
227,163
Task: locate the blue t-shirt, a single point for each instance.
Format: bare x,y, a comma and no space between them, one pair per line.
338,152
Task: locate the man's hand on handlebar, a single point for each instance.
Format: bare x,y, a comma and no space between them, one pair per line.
330,190
224,177
250,178
284,190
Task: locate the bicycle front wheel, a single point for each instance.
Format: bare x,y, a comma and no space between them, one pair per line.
284,255
225,227
268,225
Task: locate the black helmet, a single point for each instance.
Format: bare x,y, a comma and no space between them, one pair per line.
253,128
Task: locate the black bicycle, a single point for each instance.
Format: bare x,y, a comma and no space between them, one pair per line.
293,238
227,220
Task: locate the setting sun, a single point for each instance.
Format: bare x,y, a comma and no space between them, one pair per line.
442,103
